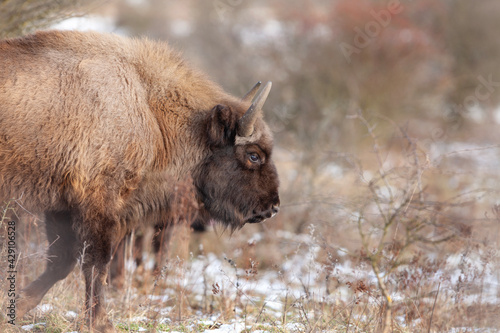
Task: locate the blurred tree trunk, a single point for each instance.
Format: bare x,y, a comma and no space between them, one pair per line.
19,17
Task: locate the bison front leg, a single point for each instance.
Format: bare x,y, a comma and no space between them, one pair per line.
95,267
62,254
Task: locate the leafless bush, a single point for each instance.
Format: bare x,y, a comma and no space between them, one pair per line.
405,231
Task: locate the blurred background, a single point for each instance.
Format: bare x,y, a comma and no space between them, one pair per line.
385,116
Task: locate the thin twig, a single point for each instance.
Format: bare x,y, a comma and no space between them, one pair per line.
350,314
433,306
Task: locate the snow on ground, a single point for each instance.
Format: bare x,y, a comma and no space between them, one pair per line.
32,326
298,271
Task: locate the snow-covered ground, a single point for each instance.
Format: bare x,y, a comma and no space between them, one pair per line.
301,276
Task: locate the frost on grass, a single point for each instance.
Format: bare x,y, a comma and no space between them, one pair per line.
219,296
31,327
211,293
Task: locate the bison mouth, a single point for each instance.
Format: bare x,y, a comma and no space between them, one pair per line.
262,216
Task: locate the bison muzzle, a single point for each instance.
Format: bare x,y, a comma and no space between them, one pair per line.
97,131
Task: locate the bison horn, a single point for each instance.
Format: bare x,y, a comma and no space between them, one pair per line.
246,122
251,94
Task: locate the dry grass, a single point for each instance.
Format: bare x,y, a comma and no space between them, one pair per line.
394,244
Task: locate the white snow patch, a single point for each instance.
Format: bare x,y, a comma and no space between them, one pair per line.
31,326
139,319
342,251
71,314
295,327
273,305
225,328
45,308
165,321
257,237
161,298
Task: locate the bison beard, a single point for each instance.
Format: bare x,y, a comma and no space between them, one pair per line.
97,132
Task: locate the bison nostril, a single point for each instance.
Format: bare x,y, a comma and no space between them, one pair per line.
275,209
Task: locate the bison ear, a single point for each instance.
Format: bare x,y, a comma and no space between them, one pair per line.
222,126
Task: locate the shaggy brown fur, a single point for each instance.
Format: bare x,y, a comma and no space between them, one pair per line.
96,131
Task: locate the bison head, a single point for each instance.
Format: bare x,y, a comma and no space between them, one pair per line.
237,182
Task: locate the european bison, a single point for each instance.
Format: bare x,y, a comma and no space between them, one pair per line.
97,131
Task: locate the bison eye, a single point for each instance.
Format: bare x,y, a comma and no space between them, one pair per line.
254,158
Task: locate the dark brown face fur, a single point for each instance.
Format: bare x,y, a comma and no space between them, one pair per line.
237,183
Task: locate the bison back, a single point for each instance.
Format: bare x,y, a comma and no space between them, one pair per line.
74,122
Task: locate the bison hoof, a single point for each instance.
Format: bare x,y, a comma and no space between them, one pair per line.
25,303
